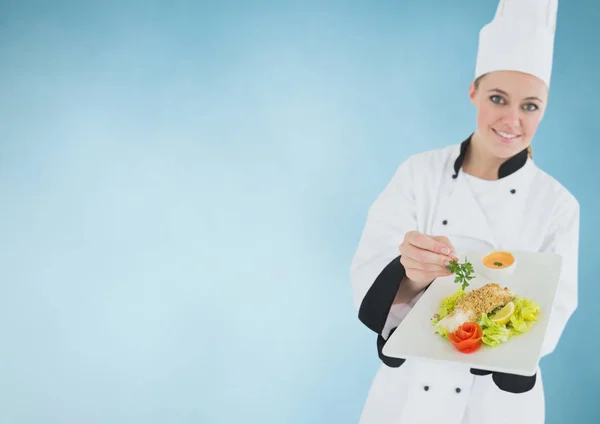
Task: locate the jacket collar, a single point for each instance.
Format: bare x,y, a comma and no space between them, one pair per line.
510,166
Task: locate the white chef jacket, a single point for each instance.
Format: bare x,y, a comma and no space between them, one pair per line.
525,209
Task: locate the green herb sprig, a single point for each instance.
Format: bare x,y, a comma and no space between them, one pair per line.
464,272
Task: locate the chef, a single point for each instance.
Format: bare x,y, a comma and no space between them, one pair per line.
482,193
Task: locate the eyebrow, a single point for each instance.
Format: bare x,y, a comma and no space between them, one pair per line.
497,90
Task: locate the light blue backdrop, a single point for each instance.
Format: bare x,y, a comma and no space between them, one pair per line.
183,185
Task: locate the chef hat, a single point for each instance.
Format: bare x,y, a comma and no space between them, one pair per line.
519,38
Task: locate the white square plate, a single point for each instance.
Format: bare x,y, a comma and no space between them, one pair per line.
535,276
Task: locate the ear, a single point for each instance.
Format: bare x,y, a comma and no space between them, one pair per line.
472,93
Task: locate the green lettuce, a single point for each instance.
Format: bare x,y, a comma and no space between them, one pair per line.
526,314
442,331
448,304
493,333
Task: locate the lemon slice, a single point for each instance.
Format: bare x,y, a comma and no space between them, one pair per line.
504,314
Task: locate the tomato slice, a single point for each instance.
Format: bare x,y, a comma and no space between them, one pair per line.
471,349
468,330
464,333
463,345
466,338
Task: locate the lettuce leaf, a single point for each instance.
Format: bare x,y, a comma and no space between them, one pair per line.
526,314
442,331
493,333
448,304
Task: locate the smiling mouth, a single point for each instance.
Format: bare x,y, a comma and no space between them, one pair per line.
506,137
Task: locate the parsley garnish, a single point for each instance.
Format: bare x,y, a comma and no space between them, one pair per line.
464,272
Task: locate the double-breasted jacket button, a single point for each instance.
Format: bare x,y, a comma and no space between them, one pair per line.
513,191
445,222
426,388
458,390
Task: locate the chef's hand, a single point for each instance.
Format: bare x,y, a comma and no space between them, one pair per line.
425,258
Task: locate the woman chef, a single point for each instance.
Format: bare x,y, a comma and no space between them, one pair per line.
481,194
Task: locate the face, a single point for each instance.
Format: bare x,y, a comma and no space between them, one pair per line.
510,105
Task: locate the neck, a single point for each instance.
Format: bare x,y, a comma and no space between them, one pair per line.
479,162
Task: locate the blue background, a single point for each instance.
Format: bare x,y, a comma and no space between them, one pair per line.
183,186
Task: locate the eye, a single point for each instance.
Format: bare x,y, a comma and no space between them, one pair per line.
497,99
530,107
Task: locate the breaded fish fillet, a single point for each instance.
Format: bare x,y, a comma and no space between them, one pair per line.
476,302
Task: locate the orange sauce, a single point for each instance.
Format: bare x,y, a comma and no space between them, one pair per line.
498,260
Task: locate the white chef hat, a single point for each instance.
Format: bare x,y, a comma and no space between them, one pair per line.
519,38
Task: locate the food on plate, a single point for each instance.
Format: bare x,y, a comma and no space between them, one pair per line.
488,315
470,306
467,337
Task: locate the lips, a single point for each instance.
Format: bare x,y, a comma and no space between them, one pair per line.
506,137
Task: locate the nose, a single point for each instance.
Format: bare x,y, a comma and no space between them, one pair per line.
511,117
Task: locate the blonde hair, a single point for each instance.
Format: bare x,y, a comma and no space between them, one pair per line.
476,84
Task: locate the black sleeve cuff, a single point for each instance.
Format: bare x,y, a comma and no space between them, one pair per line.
377,303
511,383
476,371
375,307
387,360
514,383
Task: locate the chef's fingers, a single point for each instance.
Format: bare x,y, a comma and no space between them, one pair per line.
422,255
423,241
447,242
418,275
410,263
